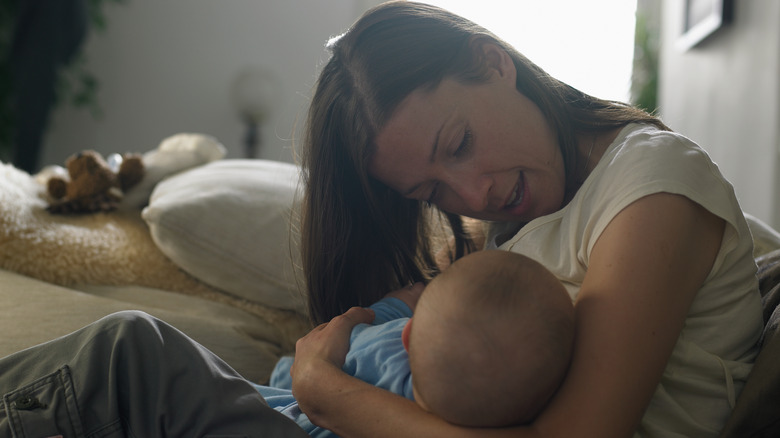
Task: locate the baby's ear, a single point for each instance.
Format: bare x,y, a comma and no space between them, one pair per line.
406,333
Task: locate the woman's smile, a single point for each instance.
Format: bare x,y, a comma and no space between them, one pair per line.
515,204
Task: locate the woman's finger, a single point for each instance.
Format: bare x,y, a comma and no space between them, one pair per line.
329,342
357,315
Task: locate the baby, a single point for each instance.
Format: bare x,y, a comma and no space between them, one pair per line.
489,344
490,341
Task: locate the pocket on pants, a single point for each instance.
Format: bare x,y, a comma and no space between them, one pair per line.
46,407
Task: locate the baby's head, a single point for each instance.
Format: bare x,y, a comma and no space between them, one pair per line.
490,341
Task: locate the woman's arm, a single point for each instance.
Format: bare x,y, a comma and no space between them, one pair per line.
644,272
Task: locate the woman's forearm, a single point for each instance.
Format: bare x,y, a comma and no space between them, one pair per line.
354,409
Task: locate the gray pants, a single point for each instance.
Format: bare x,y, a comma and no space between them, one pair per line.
130,375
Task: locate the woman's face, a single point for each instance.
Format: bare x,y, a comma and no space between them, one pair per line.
479,150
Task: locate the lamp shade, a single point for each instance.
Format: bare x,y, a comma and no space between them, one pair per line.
254,93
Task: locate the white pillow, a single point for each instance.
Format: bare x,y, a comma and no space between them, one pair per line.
227,223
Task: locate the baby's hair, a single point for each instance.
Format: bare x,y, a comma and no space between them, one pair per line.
491,340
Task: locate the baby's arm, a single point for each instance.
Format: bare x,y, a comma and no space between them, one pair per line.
395,305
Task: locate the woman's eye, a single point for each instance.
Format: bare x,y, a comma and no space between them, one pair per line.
465,144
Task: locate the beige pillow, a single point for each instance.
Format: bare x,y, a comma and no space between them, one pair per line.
765,238
227,223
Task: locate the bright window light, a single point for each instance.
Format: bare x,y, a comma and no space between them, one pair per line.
589,44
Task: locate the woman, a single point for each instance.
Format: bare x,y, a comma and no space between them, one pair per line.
419,107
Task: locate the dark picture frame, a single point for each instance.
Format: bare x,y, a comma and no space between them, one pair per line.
701,18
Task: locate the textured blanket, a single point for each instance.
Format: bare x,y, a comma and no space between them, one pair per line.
105,248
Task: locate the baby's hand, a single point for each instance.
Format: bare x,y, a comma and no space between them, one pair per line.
409,295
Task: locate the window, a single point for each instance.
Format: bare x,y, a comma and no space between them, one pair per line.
587,44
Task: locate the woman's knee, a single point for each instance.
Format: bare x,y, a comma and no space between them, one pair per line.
131,325
129,318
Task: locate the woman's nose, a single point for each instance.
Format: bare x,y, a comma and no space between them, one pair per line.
473,190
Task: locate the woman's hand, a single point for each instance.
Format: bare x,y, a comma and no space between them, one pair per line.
345,405
409,295
320,355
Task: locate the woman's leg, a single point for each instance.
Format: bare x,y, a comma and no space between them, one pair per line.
129,374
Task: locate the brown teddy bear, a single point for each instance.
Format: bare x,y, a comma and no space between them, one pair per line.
92,184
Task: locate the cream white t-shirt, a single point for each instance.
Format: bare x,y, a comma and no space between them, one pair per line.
718,344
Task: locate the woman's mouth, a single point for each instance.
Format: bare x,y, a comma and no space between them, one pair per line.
518,194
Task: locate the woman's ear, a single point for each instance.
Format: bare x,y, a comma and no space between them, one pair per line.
496,59
406,333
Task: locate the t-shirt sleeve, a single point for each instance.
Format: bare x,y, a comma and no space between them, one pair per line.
659,162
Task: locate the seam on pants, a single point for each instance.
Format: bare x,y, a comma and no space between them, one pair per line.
71,401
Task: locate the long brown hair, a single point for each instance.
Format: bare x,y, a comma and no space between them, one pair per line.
359,238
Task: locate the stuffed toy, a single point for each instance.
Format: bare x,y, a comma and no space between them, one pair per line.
123,182
91,184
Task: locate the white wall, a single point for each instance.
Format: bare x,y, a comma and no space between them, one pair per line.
166,67
725,94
